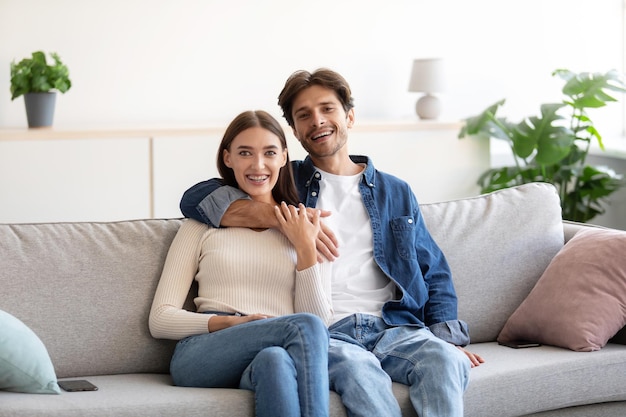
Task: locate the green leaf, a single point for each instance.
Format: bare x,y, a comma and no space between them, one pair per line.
587,90
485,124
39,58
543,136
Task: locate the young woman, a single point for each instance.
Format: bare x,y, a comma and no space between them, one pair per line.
263,301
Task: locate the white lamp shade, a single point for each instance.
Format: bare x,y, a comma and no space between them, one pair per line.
427,76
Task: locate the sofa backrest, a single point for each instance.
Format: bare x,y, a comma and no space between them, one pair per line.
86,290
497,245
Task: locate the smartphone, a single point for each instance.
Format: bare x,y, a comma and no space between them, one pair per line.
75,385
520,344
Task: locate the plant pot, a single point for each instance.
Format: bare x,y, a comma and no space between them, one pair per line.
40,108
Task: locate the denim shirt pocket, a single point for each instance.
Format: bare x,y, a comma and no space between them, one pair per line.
404,235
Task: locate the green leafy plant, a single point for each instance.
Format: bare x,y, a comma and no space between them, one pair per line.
35,75
553,146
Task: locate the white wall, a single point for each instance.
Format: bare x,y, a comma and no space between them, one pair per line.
196,61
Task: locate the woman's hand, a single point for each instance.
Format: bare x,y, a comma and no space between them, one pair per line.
223,322
301,231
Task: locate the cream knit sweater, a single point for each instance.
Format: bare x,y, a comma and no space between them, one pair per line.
238,270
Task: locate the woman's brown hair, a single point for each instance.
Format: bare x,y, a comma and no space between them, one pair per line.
285,189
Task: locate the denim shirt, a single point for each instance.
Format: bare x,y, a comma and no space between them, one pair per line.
403,248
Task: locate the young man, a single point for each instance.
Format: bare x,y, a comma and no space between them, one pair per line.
395,308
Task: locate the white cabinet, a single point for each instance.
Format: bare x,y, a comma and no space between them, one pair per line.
120,174
73,180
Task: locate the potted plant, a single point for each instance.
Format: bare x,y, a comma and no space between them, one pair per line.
38,82
553,146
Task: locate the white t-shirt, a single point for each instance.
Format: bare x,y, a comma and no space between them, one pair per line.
358,284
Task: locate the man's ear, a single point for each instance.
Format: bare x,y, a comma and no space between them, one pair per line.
226,158
350,118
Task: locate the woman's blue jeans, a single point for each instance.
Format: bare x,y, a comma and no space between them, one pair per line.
284,360
365,355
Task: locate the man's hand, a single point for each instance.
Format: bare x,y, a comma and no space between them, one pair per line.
326,242
239,214
474,358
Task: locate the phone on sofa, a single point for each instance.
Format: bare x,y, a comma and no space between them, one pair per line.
519,344
76,385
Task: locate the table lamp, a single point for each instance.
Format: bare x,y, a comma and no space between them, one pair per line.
427,77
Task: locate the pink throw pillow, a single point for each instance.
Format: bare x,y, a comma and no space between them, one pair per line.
579,302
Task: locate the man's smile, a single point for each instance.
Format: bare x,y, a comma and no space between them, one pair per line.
319,135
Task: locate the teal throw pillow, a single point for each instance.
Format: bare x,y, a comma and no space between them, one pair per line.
25,365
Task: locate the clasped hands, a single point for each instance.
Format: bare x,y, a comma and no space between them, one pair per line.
325,240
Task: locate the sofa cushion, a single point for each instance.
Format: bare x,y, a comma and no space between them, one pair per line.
580,301
497,245
519,382
25,365
154,395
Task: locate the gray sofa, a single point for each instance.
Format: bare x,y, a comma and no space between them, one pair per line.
86,289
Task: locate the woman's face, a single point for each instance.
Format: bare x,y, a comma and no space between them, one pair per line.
256,156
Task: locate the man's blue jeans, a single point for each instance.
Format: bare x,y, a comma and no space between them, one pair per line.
365,355
284,360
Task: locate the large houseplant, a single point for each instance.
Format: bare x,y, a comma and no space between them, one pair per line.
38,81
553,146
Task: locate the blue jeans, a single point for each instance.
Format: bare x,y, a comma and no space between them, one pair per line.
284,360
365,355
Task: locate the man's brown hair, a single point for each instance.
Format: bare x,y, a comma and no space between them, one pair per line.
302,79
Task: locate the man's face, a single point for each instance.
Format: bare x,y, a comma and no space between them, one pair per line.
320,122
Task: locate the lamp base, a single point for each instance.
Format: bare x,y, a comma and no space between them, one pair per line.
428,107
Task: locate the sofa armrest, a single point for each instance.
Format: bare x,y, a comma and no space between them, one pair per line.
570,228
